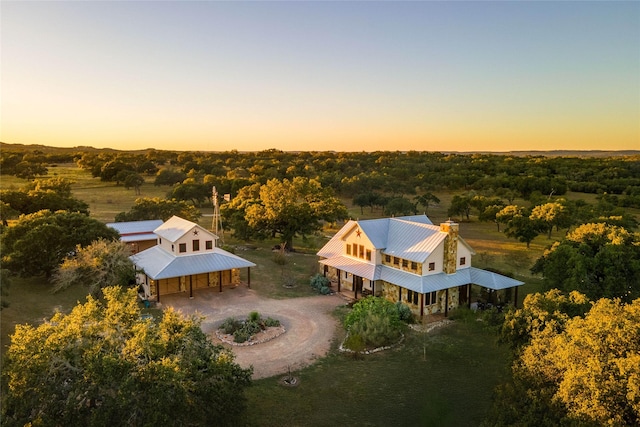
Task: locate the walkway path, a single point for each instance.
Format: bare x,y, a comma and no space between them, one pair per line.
308,322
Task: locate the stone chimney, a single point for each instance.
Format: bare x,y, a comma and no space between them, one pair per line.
450,246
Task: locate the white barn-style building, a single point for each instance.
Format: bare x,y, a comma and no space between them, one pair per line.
407,259
185,259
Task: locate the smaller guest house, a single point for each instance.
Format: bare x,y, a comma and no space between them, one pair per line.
186,259
408,259
138,235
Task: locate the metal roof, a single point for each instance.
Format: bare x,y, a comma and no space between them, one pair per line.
350,265
160,264
378,231
136,227
138,237
174,228
413,241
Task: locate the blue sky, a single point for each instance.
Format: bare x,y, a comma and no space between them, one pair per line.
345,76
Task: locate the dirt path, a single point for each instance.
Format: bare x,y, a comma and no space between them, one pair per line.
308,322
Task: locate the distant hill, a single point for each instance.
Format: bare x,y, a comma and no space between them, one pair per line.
551,153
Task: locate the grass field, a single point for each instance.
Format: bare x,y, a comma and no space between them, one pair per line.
451,386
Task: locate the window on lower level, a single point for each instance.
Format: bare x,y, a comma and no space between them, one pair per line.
430,298
412,297
432,266
182,248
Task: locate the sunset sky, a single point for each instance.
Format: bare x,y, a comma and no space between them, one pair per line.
343,76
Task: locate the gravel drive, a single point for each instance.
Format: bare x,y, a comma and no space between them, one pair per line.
309,325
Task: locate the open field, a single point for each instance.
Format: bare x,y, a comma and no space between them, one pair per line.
451,386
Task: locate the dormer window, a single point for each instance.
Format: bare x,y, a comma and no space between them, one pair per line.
208,244
348,249
196,245
182,248
368,255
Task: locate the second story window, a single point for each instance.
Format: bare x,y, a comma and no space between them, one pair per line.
432,266
368,255
348,249
182,248
396,261
208,244
196,245
405,263
414,265
463,260
387,258
361,251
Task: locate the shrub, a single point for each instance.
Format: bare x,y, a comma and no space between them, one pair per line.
404,312
318,282
241,335
230,325
269,322
376,330
374,305
254,316
324,290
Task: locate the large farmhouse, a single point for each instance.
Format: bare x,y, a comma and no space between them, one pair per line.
186,258
407,259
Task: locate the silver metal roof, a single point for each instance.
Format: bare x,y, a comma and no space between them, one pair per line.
174,228
138,237
136,227
409,237
350,265
160,264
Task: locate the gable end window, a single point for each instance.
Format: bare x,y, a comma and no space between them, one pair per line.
348,249
196,245
432,266
173,249
463,260
361,251
368,255
182,248
208,244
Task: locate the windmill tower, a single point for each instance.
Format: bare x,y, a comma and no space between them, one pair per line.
216,225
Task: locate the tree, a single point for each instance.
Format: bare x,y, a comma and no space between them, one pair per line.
522,228
426,200
550,214
101,264
400,206
146,208
169,177
103,362
593,365
460,205
38,242
133,180
286,209
600,260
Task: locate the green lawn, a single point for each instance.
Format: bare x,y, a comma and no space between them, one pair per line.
452,386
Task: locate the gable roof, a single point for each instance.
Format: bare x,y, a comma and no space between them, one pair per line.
157,263
135,231
176,227
409,237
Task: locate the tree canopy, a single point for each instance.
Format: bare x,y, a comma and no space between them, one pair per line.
283,208
597,259
146,208
103,362
101,264
37,243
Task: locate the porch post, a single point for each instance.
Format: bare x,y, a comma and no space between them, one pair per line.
469,295
158,290
355,285
446,303
190,286
248,277
421,305
339,277
515,301
220,279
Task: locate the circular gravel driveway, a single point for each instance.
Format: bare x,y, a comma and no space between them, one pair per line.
309,325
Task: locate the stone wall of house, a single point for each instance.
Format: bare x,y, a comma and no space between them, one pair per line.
235,276
390,291
214,279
